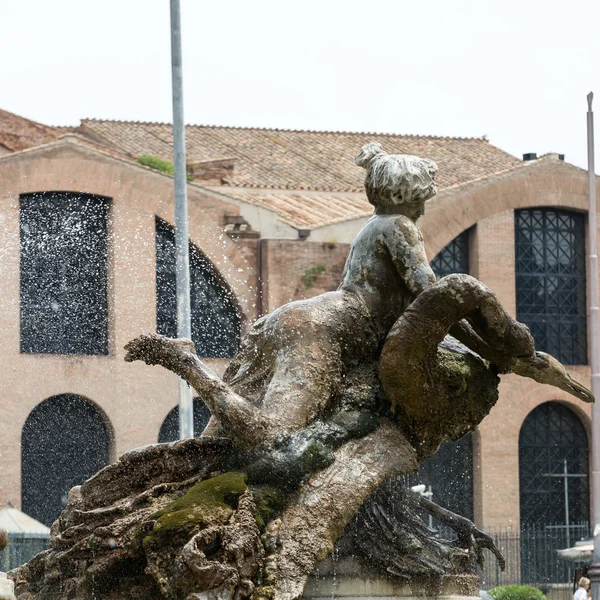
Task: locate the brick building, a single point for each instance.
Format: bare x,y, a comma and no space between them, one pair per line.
87,264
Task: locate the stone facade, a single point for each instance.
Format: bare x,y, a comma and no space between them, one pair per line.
135,399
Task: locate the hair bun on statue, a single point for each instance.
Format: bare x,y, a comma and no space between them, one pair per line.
368,152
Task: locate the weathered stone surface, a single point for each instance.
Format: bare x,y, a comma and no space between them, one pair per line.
343,576
327,399
138,531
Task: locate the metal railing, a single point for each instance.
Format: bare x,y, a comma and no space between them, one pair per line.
531,558
22,548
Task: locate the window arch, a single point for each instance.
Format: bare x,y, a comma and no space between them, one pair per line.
63,266
453,257
169,430
551,282
65,440
215,318
550,435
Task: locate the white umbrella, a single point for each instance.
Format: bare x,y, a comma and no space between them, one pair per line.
580,552
15,521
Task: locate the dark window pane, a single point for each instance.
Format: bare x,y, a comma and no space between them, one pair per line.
550,281
215,319
64,442
551,434
64,308
452,258
169,430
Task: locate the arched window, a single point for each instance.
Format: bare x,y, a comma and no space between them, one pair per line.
449,473
64,299
65,440
550,279
215,319
452,258
551,436
169,430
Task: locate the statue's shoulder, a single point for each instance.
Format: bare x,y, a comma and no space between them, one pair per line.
401,229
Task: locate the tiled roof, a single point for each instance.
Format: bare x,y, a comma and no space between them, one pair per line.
307,178
18,133
306,210
301,160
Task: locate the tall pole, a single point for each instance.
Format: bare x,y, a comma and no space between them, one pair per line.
594,570
184,321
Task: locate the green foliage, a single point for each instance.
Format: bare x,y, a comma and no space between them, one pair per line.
310,275
164,166
516,592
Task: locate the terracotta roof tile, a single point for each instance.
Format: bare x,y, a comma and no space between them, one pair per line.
308,178
18,133
302,160
306,210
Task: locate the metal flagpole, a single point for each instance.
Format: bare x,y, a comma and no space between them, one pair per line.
184,322
594,570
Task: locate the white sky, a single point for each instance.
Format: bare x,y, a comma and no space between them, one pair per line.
516,71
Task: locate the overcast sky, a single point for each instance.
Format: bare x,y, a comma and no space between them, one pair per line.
515,71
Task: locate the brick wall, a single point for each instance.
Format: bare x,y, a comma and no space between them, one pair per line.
134,398
294,270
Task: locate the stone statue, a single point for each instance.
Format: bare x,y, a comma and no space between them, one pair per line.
327,399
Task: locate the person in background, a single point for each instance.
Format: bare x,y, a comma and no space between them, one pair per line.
583,591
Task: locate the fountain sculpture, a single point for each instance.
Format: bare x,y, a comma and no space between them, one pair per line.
326,400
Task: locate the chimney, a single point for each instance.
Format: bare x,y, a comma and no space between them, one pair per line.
217,171
530,156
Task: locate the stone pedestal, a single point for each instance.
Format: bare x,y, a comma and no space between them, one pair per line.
349,579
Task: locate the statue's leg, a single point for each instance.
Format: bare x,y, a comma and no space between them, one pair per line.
308,529
243,422
307,372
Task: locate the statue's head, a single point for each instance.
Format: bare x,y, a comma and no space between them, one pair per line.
396,180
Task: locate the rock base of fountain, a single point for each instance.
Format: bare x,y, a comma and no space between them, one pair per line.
167,519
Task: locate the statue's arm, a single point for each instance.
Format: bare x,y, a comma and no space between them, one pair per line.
407,250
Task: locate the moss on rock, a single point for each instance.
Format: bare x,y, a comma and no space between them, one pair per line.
209,502
270,501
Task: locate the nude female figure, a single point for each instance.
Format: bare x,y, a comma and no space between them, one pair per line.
293,360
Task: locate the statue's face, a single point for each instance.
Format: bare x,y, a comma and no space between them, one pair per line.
413,211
